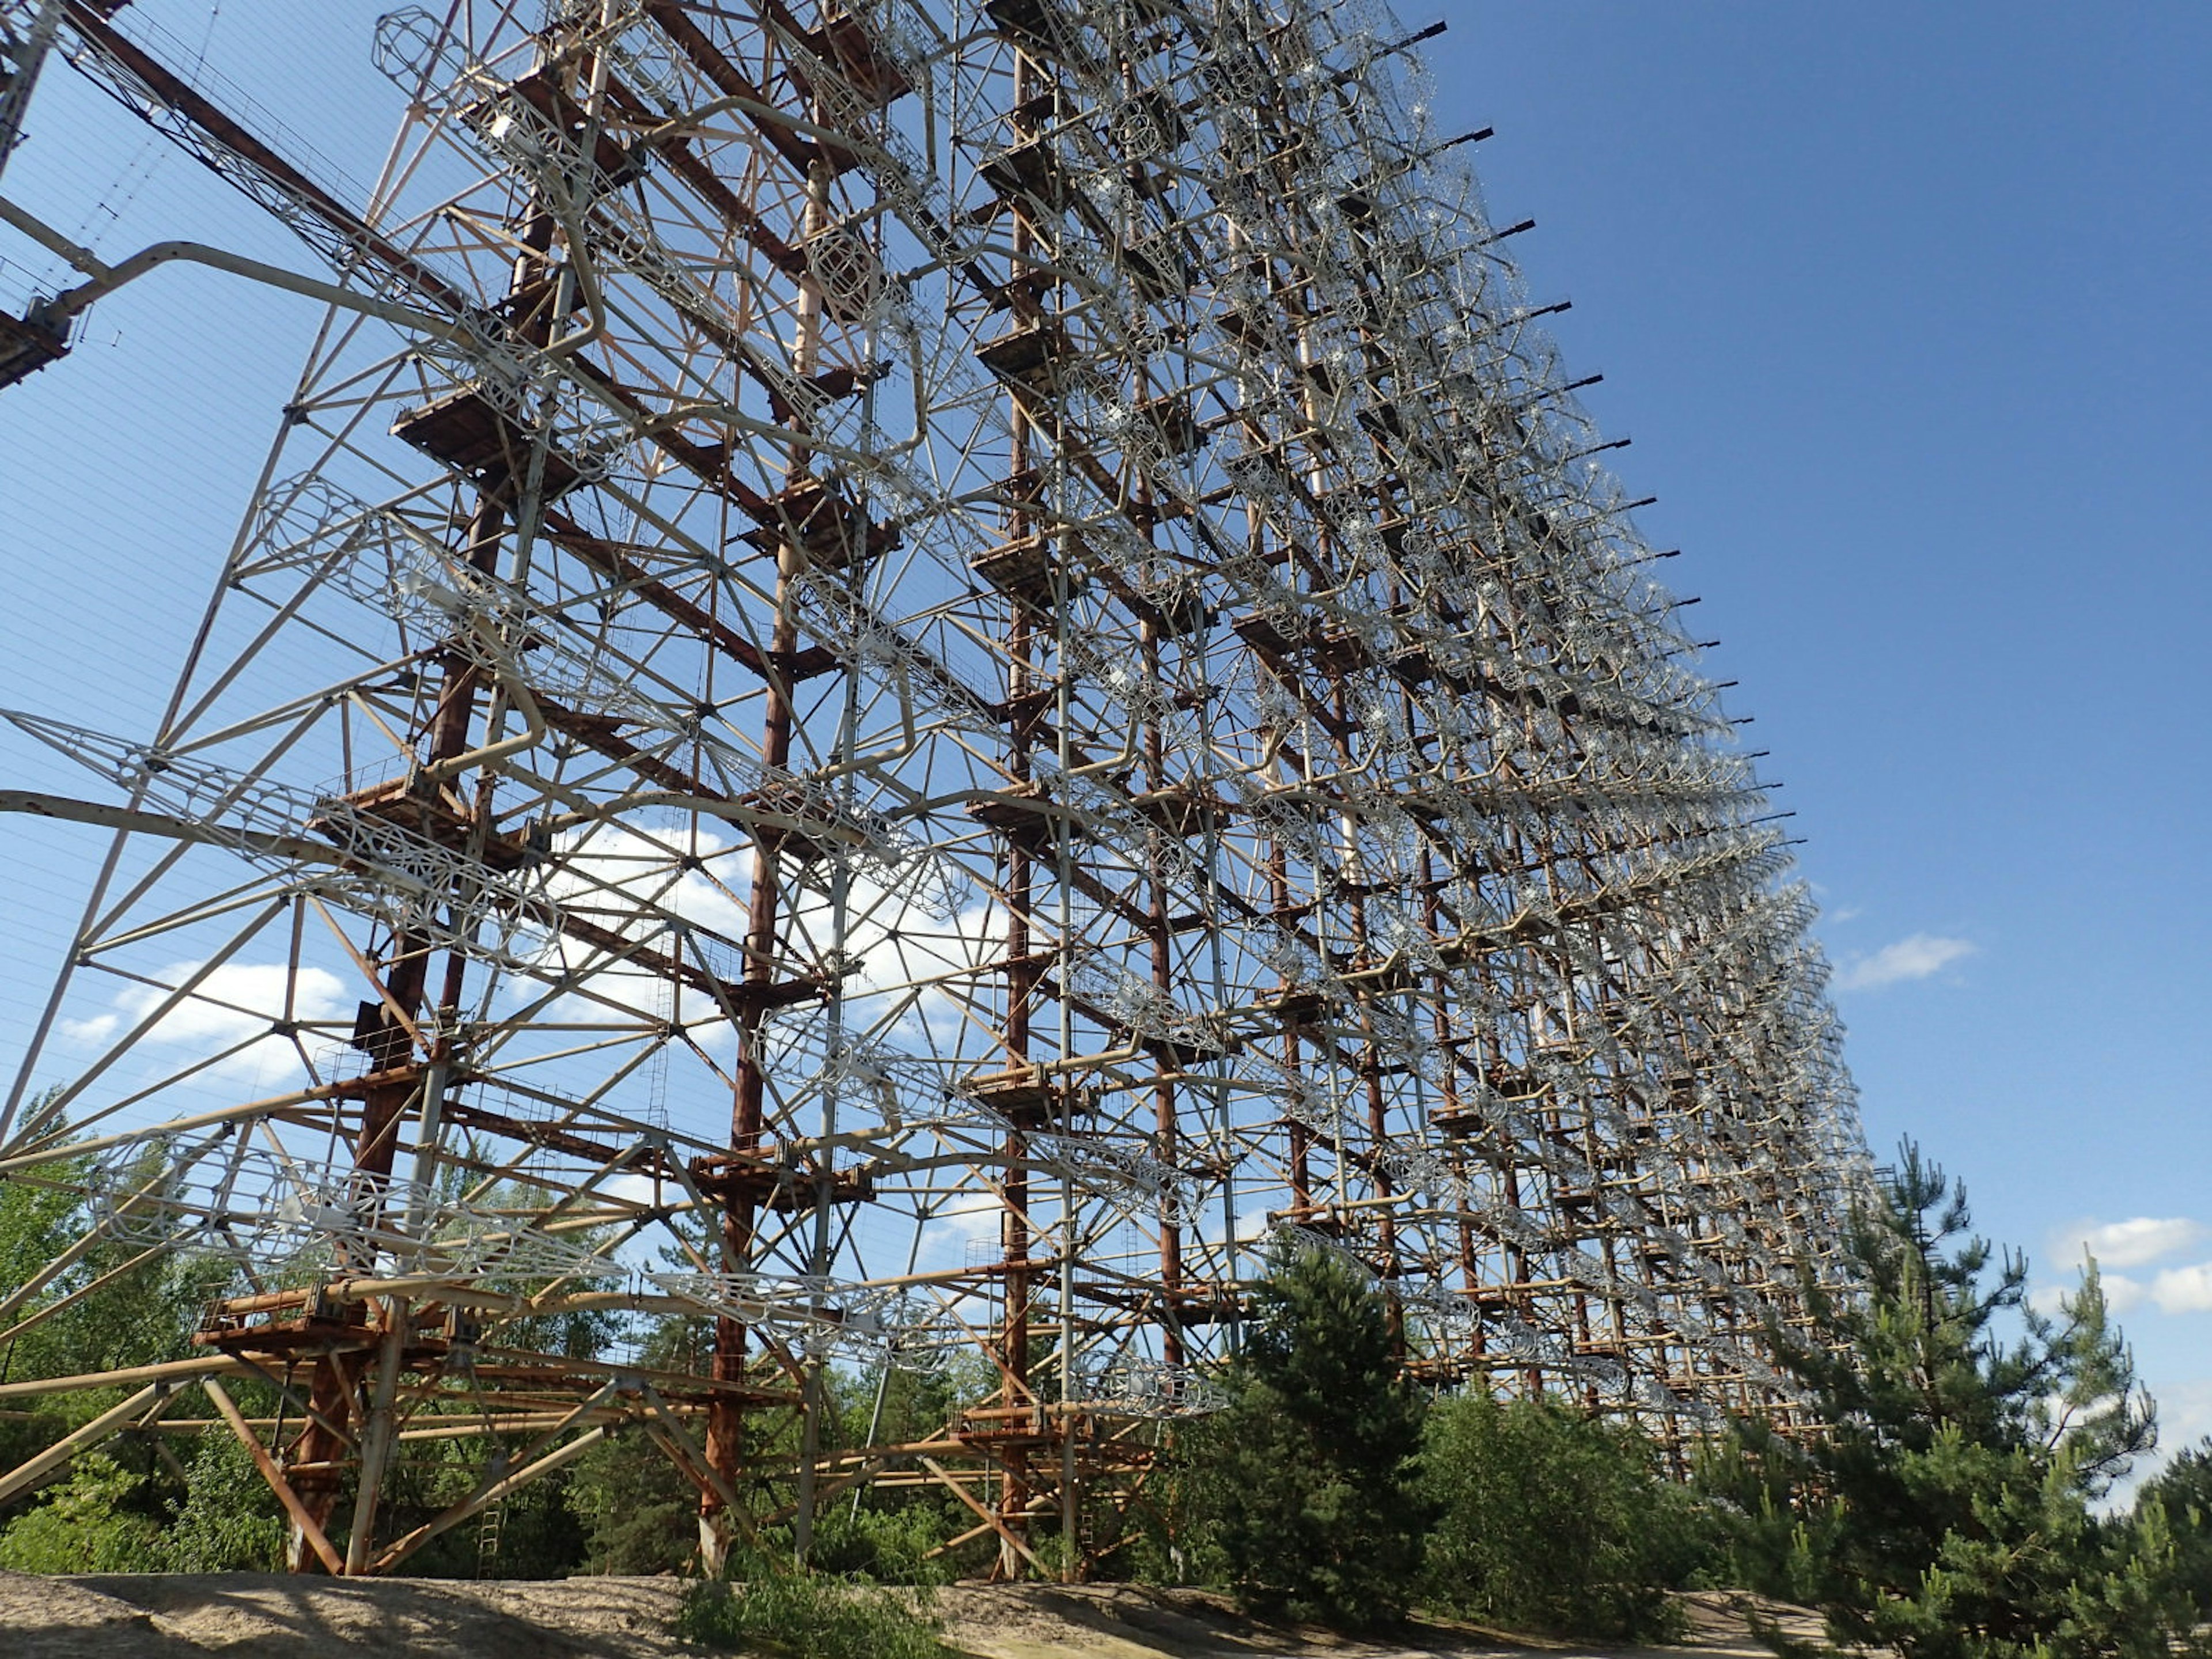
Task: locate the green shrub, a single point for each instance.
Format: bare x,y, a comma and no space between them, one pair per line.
227,1520
1302,1494
1552,1521
779,1610
886,1546
84,1525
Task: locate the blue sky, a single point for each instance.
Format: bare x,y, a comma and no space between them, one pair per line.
1905,308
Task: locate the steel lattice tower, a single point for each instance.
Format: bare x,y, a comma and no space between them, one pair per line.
908,674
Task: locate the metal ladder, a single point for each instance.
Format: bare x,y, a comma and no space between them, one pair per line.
490,1525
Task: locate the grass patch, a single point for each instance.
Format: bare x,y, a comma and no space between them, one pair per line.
799,1615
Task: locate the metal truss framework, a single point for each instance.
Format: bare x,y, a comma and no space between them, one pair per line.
930,669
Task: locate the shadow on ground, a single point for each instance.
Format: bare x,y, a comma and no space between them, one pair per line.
262,1616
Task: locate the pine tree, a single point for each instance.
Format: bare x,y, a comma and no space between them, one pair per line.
1307,1485
2178,1499
1552,1520
1945,1508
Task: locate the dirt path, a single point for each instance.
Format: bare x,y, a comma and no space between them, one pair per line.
252,1616
1123,1621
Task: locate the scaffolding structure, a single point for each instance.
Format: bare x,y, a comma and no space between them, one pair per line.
912,676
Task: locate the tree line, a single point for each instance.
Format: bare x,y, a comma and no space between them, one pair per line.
1953,1504
1957,1502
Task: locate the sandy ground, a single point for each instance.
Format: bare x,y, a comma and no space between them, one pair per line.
252,1616
1122,1621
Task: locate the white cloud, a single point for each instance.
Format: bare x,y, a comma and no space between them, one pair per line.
964,1233
1849,913
2121,1294
634,884
2184,1412
1251,1226
911,948
1916,958
2183,1290
2134,1243
2185,1416
2128,1243
632,1188
234,1003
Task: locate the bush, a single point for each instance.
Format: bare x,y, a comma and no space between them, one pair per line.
780,1610
885,1547
1303,1493
84,1525
227,1522
1552,1521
